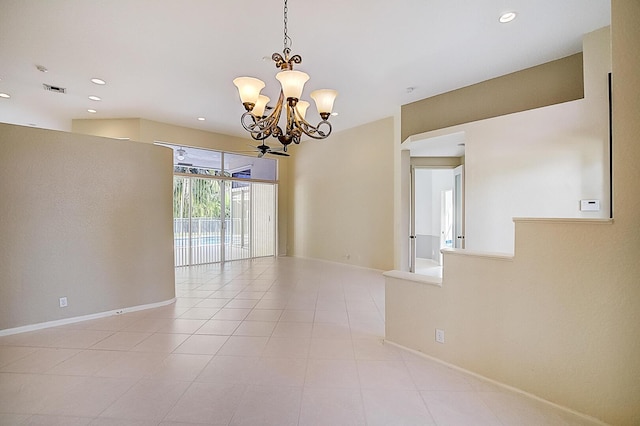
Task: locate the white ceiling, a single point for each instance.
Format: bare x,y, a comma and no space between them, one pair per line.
447,145
174,61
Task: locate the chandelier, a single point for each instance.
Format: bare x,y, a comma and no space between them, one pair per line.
261,126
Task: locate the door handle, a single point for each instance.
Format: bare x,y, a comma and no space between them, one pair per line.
413,237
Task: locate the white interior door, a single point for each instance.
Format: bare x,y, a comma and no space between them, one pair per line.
458,201
446,221
412,223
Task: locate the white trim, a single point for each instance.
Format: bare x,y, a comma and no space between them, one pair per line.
56,323
334,262
414,277
473,253
582,220
499,384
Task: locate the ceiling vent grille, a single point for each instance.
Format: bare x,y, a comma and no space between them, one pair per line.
55,89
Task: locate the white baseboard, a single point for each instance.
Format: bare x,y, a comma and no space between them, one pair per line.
335,262
56,323
499,384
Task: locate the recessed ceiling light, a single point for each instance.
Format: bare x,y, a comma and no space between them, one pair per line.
507,17
334,114
5,95
98,81
201,118
92,111
95,98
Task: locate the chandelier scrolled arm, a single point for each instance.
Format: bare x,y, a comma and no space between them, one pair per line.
315,132
254,127
292,84
261,128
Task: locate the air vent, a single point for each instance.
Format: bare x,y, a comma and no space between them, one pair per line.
55,89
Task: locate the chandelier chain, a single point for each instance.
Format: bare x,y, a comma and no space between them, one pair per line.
287,39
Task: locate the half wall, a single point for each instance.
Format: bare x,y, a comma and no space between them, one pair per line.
85,218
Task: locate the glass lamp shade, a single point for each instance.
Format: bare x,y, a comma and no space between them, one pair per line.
302,106
261,104
324,99
249,89
292,83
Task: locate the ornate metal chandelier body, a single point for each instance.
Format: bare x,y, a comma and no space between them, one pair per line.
261,126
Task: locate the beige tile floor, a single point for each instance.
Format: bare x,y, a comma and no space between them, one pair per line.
264,342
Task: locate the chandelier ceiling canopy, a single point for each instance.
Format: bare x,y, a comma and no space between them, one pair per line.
262,120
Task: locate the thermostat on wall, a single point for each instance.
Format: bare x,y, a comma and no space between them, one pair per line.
590,205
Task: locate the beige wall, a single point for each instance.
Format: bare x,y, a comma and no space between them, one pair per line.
152,131
537,163
138,129
546,84
559,320
285,215
108,128
85,218
141,130
341,192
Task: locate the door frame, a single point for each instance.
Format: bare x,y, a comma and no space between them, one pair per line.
457,170
226,193
458,208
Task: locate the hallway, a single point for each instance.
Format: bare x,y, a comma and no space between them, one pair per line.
272,341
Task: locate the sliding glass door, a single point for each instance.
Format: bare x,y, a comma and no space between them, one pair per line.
198,220
216,220
238,244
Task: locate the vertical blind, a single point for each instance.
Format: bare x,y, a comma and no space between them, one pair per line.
218,220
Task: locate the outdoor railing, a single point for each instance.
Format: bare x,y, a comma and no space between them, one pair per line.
199,240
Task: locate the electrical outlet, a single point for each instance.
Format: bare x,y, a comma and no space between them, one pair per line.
63,302
439,335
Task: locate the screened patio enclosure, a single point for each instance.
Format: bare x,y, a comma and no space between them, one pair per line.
223,213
